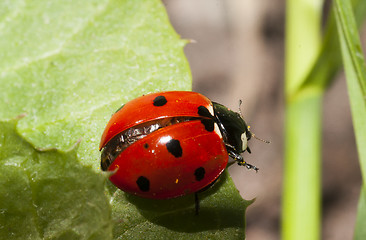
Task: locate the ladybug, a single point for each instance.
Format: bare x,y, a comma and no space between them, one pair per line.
169,144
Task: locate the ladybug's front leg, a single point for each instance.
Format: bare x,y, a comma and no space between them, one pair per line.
248,165
240,160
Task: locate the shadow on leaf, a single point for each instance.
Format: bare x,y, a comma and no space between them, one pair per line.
219,210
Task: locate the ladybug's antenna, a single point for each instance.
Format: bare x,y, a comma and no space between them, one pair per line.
252,134
260,139
240,102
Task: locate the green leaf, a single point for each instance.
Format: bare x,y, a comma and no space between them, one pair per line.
329,60
355,69
306,81
42,194
351,46
360,230
221,215
65,64
65,67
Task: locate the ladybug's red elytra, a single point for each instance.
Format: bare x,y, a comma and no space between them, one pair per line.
169,144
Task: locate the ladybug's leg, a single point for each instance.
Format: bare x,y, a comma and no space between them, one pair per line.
196,199
249,166
197,203
239,160
248,149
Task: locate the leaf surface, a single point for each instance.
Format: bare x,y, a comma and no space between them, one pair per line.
65,67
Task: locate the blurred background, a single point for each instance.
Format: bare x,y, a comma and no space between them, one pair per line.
237,52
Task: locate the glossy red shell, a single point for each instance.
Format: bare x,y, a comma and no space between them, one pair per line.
141,110
170,176
203,153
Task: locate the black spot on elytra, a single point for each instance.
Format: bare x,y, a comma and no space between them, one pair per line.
199,173
146,146
143,183
159,101
203,112
174,148
209,124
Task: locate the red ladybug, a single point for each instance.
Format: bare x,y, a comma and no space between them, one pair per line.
168,144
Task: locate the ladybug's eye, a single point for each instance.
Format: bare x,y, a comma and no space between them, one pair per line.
244,141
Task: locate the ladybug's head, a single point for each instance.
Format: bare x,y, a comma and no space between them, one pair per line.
233,128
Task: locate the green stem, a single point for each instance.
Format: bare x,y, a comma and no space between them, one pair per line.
301,197
301,200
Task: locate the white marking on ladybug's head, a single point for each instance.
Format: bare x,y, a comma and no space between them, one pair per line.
217,130
211,109
216,127
244,140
